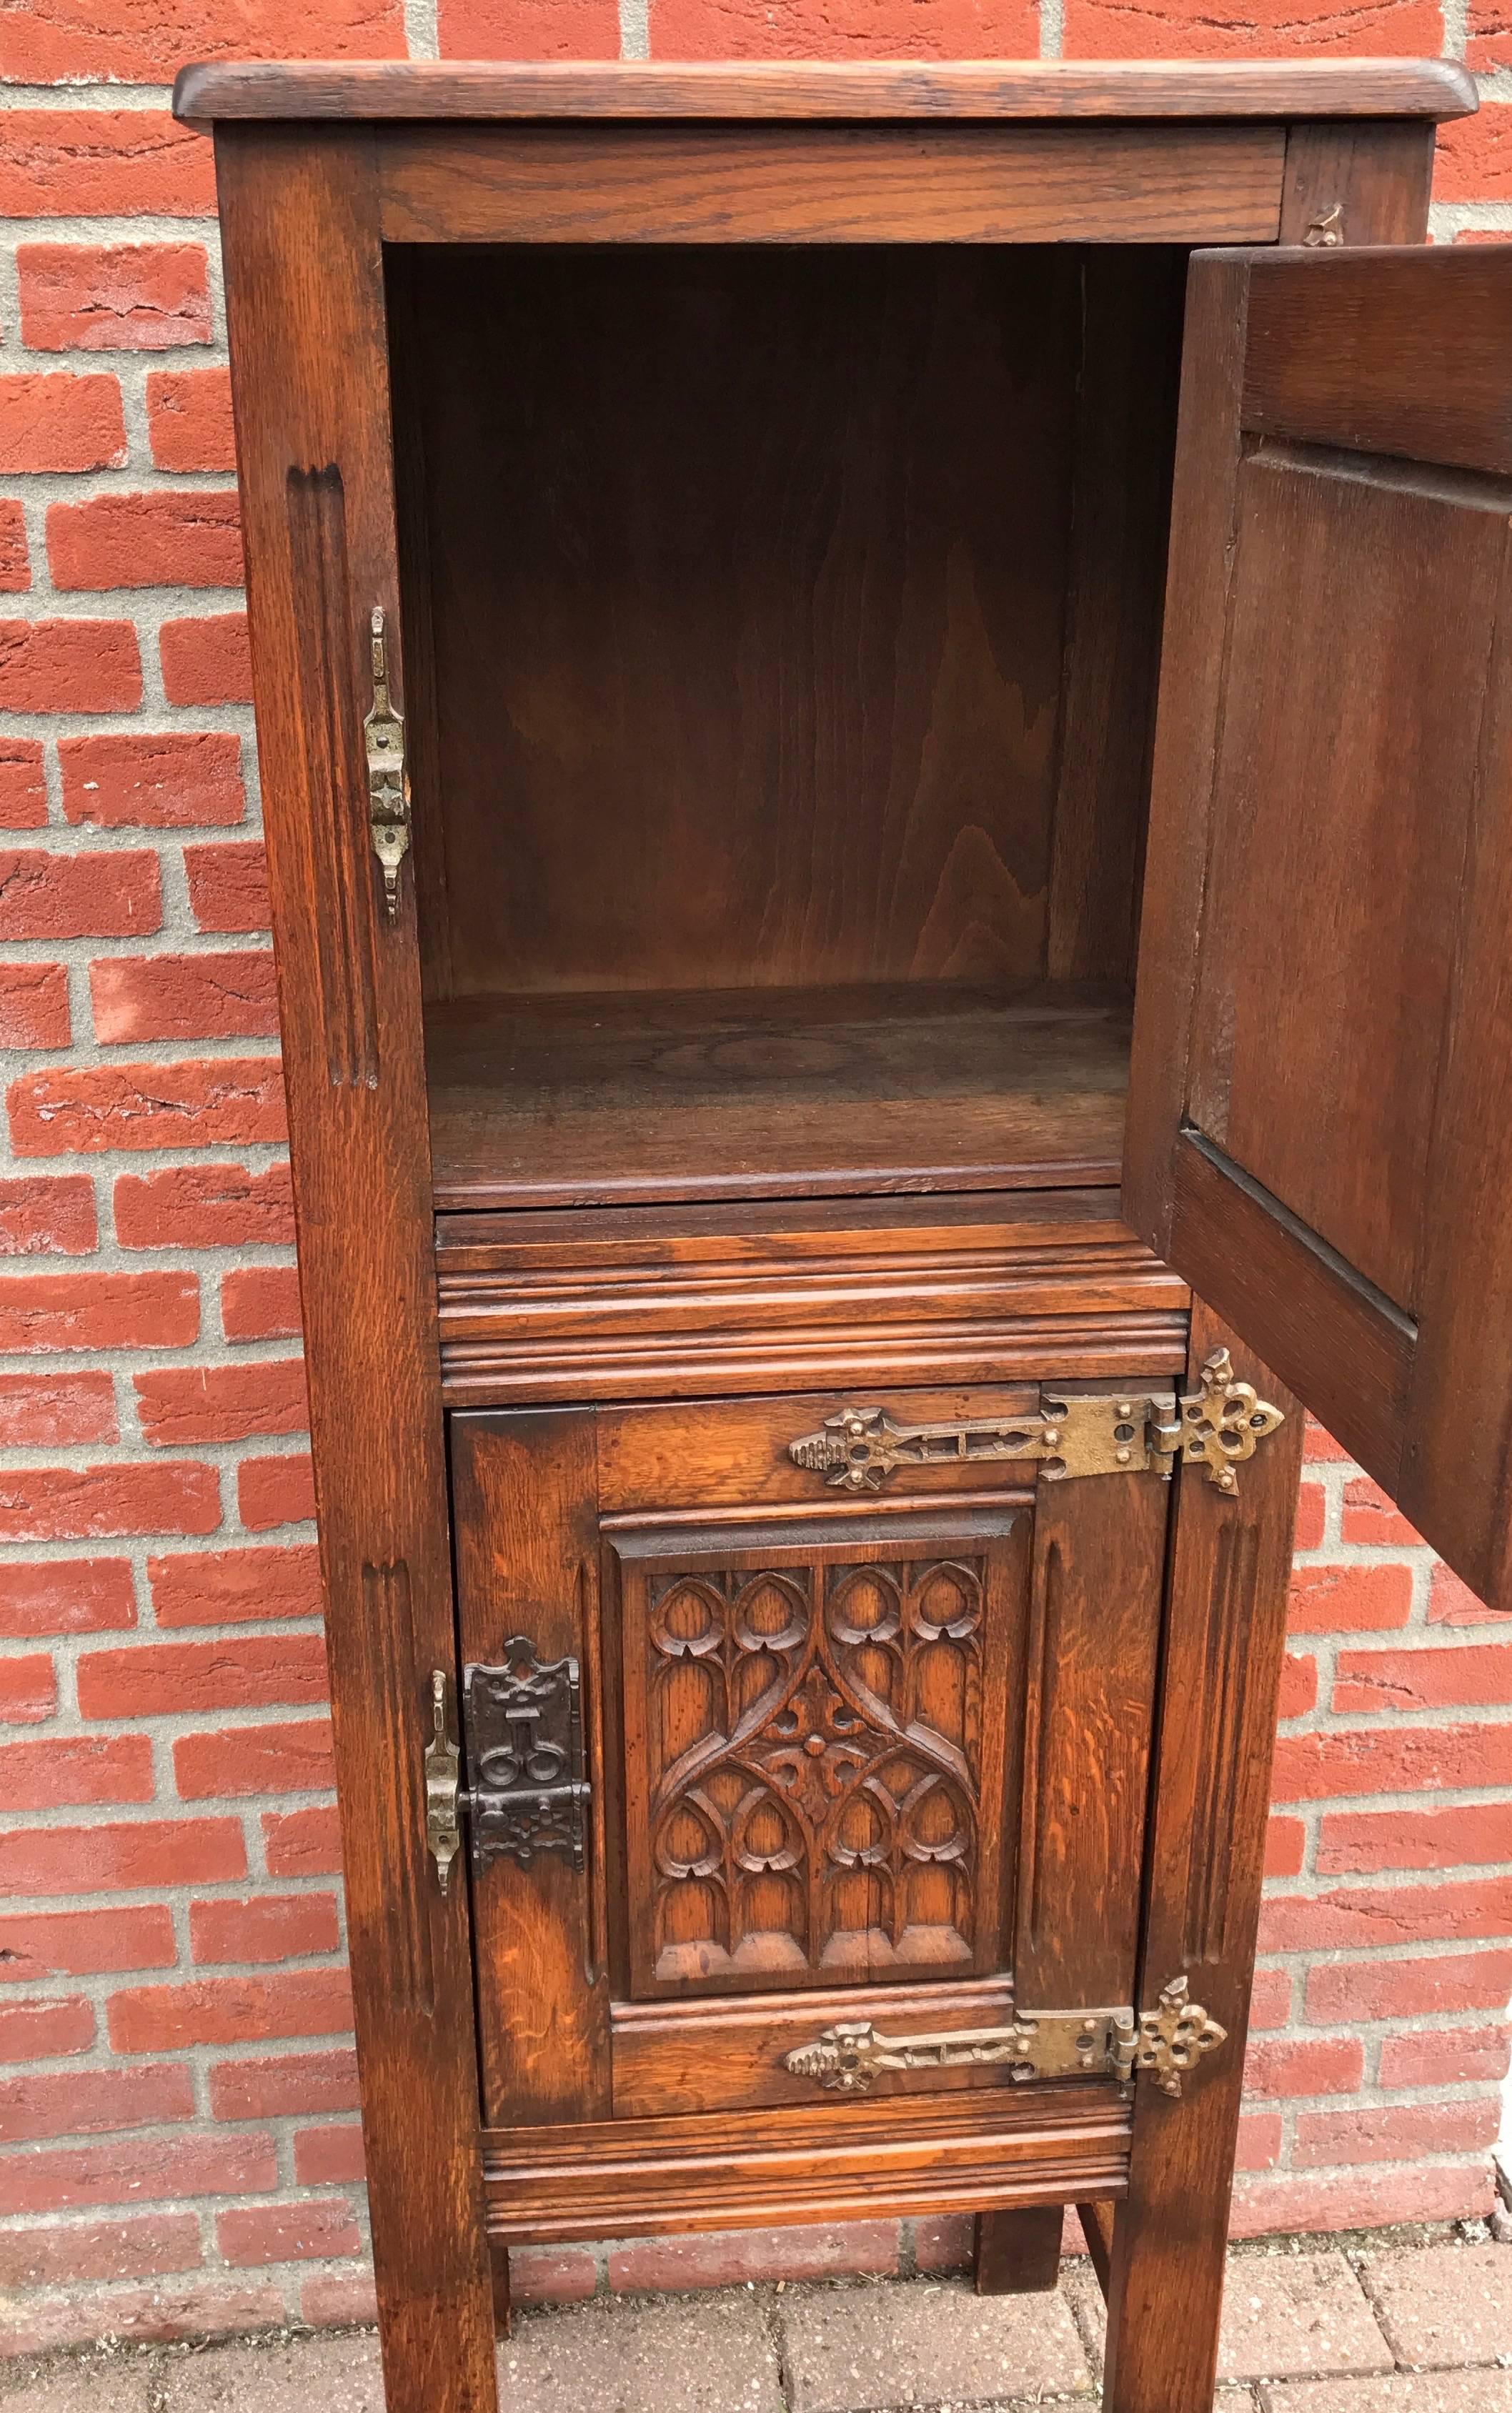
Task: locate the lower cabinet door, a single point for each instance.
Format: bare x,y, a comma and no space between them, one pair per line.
783,1787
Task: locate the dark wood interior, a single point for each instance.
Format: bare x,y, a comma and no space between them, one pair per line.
781,628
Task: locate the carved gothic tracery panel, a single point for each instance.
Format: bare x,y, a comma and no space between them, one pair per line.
812,1785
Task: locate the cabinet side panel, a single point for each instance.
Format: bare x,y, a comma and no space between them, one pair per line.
305,308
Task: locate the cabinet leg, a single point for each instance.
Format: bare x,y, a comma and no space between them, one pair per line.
1019,2252
503,2304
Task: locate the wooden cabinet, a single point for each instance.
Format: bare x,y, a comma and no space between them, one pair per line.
884,700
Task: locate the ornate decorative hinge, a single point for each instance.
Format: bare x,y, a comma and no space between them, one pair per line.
1115,1432
388,787
1165,2044
524,1729
1219,1424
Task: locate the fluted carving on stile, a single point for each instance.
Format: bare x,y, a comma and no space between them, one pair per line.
386,1639
1040,1737
814,1773
1224,1714
329,734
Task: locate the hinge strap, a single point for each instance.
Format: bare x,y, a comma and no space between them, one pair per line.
388,781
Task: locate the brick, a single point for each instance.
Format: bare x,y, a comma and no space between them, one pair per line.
329,2156
1445,2057
66,1596
75,2251
43,2030
92,1310
260,1303
69,666
175,538
204,1206
92,2102
113,297
228,887
1101,29
1423,1680
1385,1759
551,2274
1371,1516
206,661
338,2300
230,2010
533,29
290,2083
58,1409
85,1943
286,2232
1341,1993
184,1404
1355,1917
1319,1447
137,43
189,420
303,1842
67,1504
1452,1602
1474,162
179,779
141,2168
1331,1600
122,1858
52,420
28,1689
222,1587
226,1102
928,2343
1258,2145
69,1770
1489,43
1286,2313
78,896
294,1758
273,1491
168,1678
837,2249
34,1005
228,996
188,2308
15,560
946,2242
1394,2132
1270,2004
717,29
1285,1847
1358,1843
1297,1690
1361,2197
22,786
43,1215
266,1927
103,163
1312,1507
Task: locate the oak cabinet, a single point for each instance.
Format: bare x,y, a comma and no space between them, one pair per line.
883,697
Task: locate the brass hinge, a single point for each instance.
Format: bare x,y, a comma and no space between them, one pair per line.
1164,2045
524,1728
388,783
1115,1432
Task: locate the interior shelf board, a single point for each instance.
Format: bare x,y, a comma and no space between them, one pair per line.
573,1100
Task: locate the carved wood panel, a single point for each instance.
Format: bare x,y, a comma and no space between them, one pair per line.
815,1745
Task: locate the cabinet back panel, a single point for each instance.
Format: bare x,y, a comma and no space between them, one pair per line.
745,617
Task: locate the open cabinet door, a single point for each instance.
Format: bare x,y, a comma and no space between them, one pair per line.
1320,1129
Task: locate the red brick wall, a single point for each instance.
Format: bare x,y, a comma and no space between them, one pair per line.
175,2073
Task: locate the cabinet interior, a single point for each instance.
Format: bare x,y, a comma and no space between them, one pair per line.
781,631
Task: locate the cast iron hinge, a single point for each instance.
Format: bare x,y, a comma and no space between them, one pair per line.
523,1722
1164,2045
1114,1432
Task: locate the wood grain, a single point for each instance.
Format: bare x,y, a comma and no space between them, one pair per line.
1097,2221
1431,88
846,185
1017,2253
1357,183
1225,1631
526,1546
309,373
577,1102
1007,2145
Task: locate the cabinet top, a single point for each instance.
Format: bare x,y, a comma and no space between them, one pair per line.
882,88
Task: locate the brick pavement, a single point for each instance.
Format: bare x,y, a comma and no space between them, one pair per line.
1377,2327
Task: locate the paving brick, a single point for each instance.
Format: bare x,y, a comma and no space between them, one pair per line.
1449,2391
727,2259
926,2343
340,2374
196,2307
709,2354
1289,2316
1444,2304
551,2274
